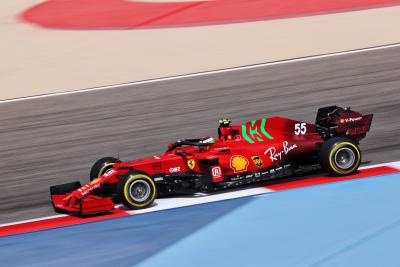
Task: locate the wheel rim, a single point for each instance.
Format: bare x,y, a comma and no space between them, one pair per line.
345,158
139,190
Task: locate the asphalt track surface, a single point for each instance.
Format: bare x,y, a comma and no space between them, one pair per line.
54,140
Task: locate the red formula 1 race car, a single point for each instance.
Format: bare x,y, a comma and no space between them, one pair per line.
257,151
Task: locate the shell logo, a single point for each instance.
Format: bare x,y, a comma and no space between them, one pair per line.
239,163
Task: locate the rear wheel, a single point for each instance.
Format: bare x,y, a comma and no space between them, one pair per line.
101,166
340,156
136,190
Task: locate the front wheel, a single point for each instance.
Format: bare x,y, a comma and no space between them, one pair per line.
101,166
340,156
136,190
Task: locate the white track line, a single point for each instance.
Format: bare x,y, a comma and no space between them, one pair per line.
393,164
198,74
34,220
178,202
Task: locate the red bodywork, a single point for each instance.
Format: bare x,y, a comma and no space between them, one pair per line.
239,149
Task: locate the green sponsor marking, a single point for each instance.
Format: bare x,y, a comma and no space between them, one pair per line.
263,129
244,134
254,132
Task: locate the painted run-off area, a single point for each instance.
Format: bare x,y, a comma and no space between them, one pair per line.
176,202
291,228
121,14
39,61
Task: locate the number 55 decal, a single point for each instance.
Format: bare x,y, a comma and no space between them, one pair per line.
300,128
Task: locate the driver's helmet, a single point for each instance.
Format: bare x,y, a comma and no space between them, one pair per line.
224,128
224,122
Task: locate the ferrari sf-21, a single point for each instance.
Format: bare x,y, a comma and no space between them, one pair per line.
257,151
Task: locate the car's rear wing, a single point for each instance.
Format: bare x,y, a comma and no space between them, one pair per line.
336,121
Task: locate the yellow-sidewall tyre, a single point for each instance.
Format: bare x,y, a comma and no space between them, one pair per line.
101,166
340,156
136,190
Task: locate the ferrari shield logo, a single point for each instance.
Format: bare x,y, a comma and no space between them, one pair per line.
191,164
257,161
